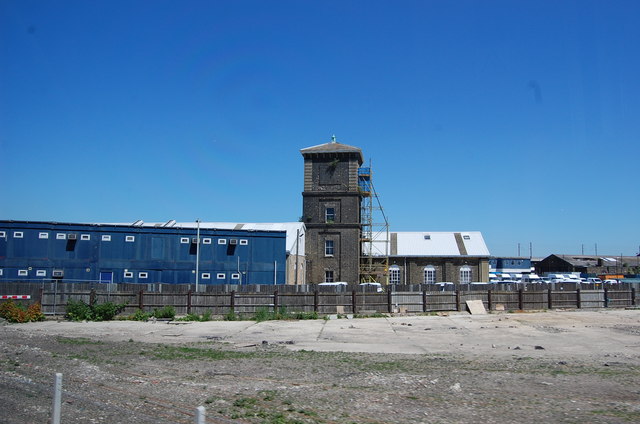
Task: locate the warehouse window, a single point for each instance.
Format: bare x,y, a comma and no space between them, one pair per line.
128,274
429,274
3,234
235,276
106,237
1,271
43,235
18,234
184,240
394,274
220,276
61,236
85,237
328,248
23,272
206,276
465,275
206,241
130,239
222,241
244,242
143,275
427,236
466,237
328,276
41,273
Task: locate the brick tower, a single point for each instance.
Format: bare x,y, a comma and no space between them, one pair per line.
331,212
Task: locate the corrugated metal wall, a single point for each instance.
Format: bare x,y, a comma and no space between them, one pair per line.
32,251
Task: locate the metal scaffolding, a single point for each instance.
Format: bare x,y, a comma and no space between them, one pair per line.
374,234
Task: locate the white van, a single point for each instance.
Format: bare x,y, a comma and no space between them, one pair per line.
338,285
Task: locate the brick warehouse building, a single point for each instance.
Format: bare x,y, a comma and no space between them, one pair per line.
331,212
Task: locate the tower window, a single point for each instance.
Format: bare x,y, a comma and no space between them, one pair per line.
328,248
330,215
328,276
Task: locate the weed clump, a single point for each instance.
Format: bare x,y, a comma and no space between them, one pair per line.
13,312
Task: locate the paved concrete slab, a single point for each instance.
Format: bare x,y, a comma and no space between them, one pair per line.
556,333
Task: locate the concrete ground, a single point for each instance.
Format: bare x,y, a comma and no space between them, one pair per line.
541,334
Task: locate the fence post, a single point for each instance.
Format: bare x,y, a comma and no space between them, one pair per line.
606,297
201,413
424,301
489,300
458,300
41,297
549,299
520,300
389,300
353,302
316,301
275,301
57,399
189,301
633,296
92,297
232,301
141,299
578,299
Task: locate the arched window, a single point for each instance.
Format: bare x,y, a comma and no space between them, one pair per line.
394,274
465,275
429,274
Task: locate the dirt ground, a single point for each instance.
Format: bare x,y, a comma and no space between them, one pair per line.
527,368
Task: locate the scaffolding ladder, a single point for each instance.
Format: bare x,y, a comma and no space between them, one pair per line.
374,233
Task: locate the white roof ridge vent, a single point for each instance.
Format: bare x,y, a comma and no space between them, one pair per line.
138,223
169,223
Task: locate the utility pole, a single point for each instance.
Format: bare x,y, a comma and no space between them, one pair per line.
197,253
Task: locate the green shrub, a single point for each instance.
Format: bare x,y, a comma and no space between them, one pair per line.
13,312
77,310
165,312
263,314
231,316
139,315
206,316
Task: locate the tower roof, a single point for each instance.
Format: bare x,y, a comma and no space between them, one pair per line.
333,147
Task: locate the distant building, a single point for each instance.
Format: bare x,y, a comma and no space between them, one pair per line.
141,253
434,257
589,264
510,268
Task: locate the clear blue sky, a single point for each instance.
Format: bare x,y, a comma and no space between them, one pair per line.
520,119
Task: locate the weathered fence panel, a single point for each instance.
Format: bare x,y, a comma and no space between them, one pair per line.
248,299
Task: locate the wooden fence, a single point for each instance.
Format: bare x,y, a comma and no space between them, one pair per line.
356,300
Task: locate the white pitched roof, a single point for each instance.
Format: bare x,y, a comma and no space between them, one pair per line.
440,243
431,243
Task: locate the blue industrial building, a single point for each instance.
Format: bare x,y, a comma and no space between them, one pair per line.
139,253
